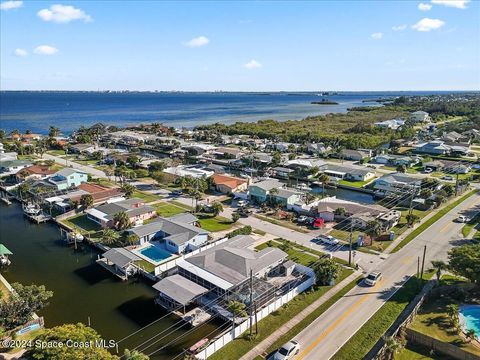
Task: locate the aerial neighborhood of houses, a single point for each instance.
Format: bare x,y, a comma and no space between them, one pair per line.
208,219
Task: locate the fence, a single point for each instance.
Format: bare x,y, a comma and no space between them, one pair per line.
229,335
163,267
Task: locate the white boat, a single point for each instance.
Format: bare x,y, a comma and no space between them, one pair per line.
31,209
4,261
74,236
303,187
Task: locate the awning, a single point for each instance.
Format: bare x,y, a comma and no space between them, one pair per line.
4,250
179,288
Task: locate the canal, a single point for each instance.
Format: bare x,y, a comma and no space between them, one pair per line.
82,289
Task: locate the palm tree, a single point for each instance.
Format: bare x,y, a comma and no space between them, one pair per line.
23,189
412,219
439,266
86,200
53,131
471,335
109,236
373,228
323,178
217,208
452,312
392,346
128,189
236,308
121,220
133,239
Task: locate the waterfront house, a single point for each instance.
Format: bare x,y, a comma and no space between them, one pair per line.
135,208
226,184
306,164
419,117
393,124
396,183
194,171
318,148
37,172
349,173
179,233
259,191
13,166
396,160
228,153
82,148
436,147
67,178
282,172
197,149
288,197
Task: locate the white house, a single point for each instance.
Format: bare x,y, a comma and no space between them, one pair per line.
419,116
393,124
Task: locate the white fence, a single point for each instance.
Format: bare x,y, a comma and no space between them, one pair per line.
244,326
167,265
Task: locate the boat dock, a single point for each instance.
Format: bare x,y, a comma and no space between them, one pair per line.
40,218
5,200
195,317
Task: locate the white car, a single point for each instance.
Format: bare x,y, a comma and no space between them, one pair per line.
287,351
373,278
328,239
463,219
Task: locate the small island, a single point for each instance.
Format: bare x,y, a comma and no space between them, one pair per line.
324,102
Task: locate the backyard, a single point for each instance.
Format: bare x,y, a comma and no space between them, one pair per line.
295,254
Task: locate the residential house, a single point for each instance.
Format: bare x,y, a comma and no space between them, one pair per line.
393,124
179,233
288,197
396,183
5,156
306,164
135,208
350,173
13,166
327,208
198,149
281,146
318,148
37,172
455,137
228,153
67,178
396,160
419,117
195,171
448,166
259,191
82,148
282,172
436,147
120,261
229,184
354,155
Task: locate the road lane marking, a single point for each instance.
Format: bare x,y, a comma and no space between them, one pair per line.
335,324
445,227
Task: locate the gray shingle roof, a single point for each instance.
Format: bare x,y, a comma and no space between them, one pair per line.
179,288
120,256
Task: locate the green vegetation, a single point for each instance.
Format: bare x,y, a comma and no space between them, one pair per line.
283,223
82,224
214,223
145,265
357,184
240,346
145,196
182,205
259,232
294,254
365,338
165,209
467,229
431,221
417,352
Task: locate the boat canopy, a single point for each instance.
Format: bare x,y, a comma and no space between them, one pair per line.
4,250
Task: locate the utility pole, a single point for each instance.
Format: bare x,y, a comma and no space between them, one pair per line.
423,261
350,244
456,184
418,267
251,301
410,210
256,318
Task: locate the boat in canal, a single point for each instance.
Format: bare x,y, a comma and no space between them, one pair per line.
31,209
4,253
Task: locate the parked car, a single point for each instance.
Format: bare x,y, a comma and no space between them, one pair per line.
463,219
328,239
447,177
427,170
177,192
302,219
287,351
318,223
373,278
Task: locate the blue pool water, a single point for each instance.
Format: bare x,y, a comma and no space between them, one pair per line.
155,253
471,314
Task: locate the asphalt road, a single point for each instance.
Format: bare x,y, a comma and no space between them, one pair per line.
64,162
329,332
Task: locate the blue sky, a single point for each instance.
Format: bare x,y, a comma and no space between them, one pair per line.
245,46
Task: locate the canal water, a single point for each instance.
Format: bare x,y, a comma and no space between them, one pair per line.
82,289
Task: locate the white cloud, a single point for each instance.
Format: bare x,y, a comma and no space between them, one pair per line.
20,52
8,5
252,64
197,42
63,14
45,50
399,27
427,24
377,35
459,4
424,7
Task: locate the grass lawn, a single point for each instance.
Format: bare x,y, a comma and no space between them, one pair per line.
165,209
214,223
467,229
82,223
432,220
144,264
259,232
417,352
240,346
283,223
357,184
145,196
180,204
368,335
432,320
294,254
56,152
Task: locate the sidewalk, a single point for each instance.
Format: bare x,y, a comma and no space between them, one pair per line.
265,344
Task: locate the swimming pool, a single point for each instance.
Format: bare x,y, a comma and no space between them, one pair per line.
155,253
470,315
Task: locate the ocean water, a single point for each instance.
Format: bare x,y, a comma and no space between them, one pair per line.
36,111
